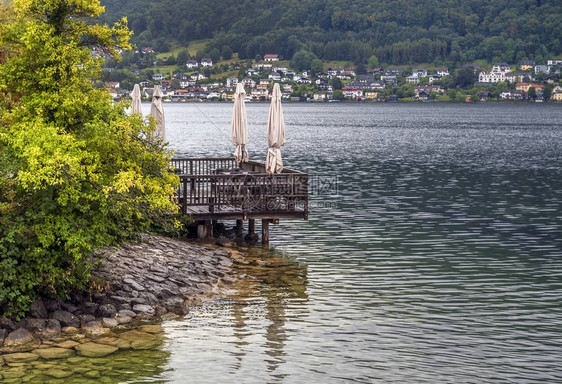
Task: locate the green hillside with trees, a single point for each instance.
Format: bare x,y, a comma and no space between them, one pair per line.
395,31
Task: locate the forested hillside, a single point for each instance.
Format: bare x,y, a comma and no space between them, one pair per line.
396,31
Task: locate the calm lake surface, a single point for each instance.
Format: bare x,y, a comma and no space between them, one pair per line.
433,251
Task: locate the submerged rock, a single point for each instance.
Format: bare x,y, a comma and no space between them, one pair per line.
54,353
95,350
21,357
58,373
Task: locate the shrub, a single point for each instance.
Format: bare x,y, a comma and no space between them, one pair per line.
76,172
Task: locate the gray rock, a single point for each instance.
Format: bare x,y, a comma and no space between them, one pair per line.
77,296
18,337
69,307
139,300
86,319
38,310
145,310
134,285
66,319
7,324
126,306
158,279
107,310
89,308
52,305
125,312
33,325
3,334
177,305
251,238
52,329
100,298
110,322
94,328
119,299
223,241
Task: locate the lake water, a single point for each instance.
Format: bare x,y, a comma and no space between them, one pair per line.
432,254
433,251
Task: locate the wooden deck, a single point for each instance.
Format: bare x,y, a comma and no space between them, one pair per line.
218,189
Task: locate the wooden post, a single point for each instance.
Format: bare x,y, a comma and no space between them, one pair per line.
239,225
265,231
209,226
201,231
251,226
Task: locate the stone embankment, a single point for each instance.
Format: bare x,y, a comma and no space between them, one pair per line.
156,278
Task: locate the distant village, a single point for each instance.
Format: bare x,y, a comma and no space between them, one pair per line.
525,81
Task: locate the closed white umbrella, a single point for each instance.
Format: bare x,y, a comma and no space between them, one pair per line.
136,104
239,125
157,112
275,133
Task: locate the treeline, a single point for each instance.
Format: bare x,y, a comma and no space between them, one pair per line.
396,31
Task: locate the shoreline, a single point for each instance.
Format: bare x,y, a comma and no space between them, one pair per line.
139,285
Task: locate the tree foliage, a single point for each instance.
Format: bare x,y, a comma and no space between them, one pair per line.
396,32
76,172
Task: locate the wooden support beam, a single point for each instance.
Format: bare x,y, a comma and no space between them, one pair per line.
251,226
239,225
265,232
201,231
209,227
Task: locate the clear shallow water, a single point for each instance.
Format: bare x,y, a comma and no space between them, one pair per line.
433,252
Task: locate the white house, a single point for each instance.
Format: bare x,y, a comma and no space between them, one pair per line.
554,62
491,77
501,67
197,76
274,76
271,57
412,79
248,82
389,78
434,78
192,64
542,68
419,72
206,62
158,77
231,81
443,71
352,92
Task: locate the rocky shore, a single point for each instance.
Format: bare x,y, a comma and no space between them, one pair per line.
156,278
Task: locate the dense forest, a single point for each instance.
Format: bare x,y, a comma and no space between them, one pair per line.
395,31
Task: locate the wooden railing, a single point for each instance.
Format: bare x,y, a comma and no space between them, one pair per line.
220,186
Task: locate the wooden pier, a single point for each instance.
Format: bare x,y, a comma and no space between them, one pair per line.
215,189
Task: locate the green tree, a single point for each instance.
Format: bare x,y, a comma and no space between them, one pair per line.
532,93
316,66
361,69
465,77
182,58
76,172
226,52
338,95
302,60
215,55
373,62
336,83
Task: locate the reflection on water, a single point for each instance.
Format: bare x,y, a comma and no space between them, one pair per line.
251,322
